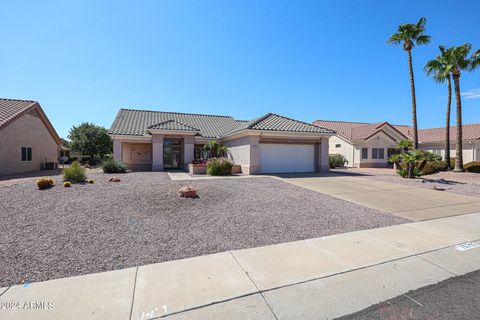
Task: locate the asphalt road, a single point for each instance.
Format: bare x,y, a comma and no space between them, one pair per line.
453,299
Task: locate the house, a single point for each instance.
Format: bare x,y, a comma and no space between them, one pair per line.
156,140
371,144
28,141
364,145
434,140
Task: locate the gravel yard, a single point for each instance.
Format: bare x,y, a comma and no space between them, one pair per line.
464,183
62,232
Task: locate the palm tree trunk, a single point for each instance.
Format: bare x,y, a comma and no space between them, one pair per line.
414,101
459,151
447,124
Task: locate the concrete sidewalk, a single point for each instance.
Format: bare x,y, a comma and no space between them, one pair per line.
321,278
409,202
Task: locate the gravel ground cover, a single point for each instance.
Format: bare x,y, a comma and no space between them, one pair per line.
60,232
465,183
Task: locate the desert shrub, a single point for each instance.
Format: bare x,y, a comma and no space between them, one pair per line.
430,167
219,167
441,166
74,173
67,184
113,166
336,161
90,181
473,166
417,162
45,183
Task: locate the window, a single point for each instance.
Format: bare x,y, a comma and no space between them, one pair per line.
378,153
199,152
338,145
364,153
26,154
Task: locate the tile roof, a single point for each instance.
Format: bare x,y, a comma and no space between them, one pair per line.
172,125
137,122
359,130
469,132
275,122
11,109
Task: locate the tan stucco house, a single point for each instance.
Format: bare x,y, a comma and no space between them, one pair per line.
28,141
371,144
155,140
364,145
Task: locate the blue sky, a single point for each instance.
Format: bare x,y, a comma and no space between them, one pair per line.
83,60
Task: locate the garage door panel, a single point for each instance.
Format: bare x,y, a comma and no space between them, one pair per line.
281,158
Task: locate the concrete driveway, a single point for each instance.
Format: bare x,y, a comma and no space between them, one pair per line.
405,201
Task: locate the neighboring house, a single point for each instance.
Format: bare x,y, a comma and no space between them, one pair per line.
154,140
434,140
371,144
364,145
28,141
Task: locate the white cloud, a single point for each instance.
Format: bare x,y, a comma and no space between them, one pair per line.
471,94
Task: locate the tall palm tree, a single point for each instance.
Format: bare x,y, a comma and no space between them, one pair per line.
457,61
440,71
410,35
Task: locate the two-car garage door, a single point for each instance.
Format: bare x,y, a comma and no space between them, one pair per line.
281,158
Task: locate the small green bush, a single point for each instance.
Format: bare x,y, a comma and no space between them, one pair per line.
473,166
219,167
403,172
113,166
45,183
336,161
74,173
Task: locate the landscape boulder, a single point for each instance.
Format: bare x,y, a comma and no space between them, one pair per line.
114,179
188,192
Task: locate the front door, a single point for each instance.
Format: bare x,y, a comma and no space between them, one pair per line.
172,154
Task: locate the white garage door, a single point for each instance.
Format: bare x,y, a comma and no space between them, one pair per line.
278,158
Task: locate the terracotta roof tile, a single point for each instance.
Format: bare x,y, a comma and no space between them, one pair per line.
356,130
11,109
469,132
361,130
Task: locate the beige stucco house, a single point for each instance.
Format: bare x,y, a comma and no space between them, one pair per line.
371,144
364,145
28,141
155,140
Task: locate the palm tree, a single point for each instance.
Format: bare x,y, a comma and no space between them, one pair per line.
404,145
439,69
410,35
457,61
